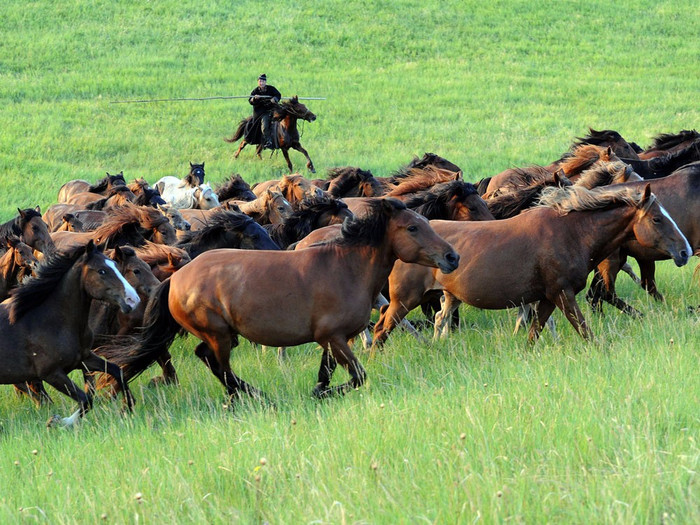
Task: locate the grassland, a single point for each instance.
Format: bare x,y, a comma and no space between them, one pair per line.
480,427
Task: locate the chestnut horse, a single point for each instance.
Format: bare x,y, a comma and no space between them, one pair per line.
44,330
285,134
544,254
102,186
285,298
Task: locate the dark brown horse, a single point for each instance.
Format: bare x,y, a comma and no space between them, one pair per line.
323,294
353,182
163,260
44,327
666,143
234,188
679,193
30,228
285,134
102,186
544,254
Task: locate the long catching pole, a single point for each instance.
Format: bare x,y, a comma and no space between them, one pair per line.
202,98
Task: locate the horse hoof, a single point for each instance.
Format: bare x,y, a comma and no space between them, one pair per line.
321,391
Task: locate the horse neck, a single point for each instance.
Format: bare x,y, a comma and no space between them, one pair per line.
603,231
369,265
289,124
8,268
253,209
71,297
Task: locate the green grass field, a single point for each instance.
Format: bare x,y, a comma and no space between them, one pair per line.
480,427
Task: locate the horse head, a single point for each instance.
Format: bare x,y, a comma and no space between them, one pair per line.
33,230
196,175
205,197
136,272
104,282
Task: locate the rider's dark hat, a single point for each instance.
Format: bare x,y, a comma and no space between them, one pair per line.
263,77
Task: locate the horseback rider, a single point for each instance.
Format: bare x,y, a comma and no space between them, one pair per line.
263,99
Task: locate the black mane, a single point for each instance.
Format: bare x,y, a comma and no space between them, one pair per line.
433,202
235,188
368,229
48,275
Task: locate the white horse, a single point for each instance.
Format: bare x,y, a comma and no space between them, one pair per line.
180,194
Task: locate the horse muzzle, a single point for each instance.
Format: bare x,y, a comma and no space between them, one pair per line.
129,303
681,257
449,262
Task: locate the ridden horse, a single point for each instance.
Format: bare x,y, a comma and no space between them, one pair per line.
45,334
544,254
234,188
311,214
103,186
284,132
16,263
30,228
679,193
284,298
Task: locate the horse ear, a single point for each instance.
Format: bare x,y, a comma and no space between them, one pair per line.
118,254
37,209
629,170
647,194
460,175
609,152
11,241
191,165
171,260
388,206
90,247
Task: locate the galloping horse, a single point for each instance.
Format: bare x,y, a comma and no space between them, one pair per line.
30,228
666,143
103,186
285,134
16,263
44,333
285,298
234,188
544,254
190,192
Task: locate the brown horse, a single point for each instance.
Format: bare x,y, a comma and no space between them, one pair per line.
103,186
128,224
286,298
285,134
544,254
666,143
270,207
294,187
234,188
116,197
679,194
16,263
30,228
44,327
353,182
163,260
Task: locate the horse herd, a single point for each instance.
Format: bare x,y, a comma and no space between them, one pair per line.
109,275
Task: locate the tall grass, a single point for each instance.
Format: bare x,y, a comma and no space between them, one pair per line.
480,426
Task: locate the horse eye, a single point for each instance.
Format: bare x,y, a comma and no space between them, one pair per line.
413,228
137,272
656,220
101,271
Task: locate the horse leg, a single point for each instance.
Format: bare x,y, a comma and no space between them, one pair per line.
443,319
165,360
309,164
240,148
285,152
380,302
94,363
542,314
342,354
566,302
35,391
258,151
217,360
647,269
61,382
325,372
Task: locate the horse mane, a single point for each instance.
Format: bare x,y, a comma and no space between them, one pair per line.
105,182
432,203
368,229
676,159
232,188
302,221
669,140
127,219
418,179
7,262
152,253
428,159
218,224
597,137
604,174
37,289
14,226
584,156
578,198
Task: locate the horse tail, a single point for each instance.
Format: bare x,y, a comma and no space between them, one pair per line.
482,185
240,131
158,332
